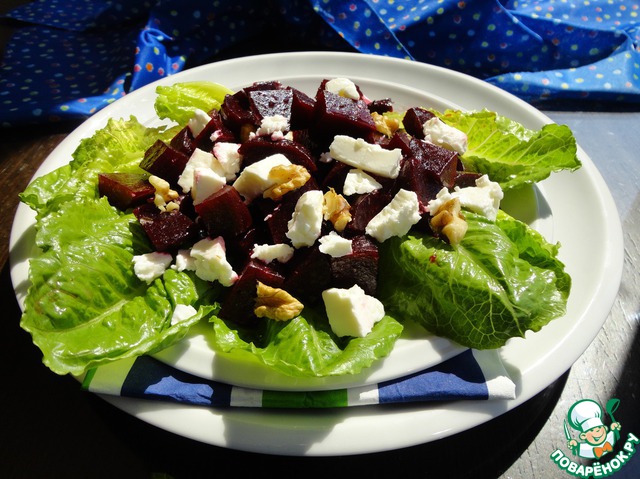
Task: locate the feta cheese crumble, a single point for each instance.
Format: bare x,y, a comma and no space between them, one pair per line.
484,198
211,261
150,266
229,159
335,245
273,125
366,156
358,182
343,87
270,252
396,218
198,121
306,222
351,312
439,133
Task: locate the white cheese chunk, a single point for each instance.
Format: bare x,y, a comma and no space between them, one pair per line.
439,133
396,218
270,125
343,87
182,312
306,222
184,261
366,156
270,252
198,159
205,183
254,179
351,312
211,261
335,245
484,198
358,182
229,159
150,266
198,121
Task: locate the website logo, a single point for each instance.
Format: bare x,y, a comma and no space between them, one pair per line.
602,448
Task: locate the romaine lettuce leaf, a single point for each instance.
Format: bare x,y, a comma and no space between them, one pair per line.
305,347
85,305
118,147
509,153
500,281
178,102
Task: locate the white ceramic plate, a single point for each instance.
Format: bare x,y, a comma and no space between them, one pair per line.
582,207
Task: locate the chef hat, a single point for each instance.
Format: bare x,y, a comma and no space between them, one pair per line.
585,415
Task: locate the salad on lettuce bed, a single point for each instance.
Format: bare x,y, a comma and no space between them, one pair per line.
134,252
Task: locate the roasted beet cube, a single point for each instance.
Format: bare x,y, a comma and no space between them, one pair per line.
224,213
302,110
259,148
339,115
236,113
265,103
264,85
335,176
466,178
164,161
360,267
167,231
125,190
309,275
239,304
414,119
183,141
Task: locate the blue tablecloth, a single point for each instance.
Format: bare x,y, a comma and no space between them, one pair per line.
70,58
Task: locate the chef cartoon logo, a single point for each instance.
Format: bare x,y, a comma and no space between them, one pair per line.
589,437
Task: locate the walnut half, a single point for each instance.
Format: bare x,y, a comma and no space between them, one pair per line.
276,304
336,209
287,178
450,222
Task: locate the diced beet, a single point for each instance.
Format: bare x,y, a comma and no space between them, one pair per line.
413,120
167,231
264,103
364,209
381,106
224,213
302,110
259,148
125,190
360,267
414,177
235,112
164,161
335,176
183,141
339,115
264,85
239,304
239,249
309,274
215,127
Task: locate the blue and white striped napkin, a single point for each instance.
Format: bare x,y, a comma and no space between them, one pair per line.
477,375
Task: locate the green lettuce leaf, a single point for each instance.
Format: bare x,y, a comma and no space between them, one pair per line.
509,153
305,347
500,281
178,102
85,306
118,147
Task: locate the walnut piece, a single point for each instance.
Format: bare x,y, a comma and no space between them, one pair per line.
164,195
336,209
450,222
287,178
276,304
385,125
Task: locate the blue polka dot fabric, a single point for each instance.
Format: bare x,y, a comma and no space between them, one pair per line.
69,59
